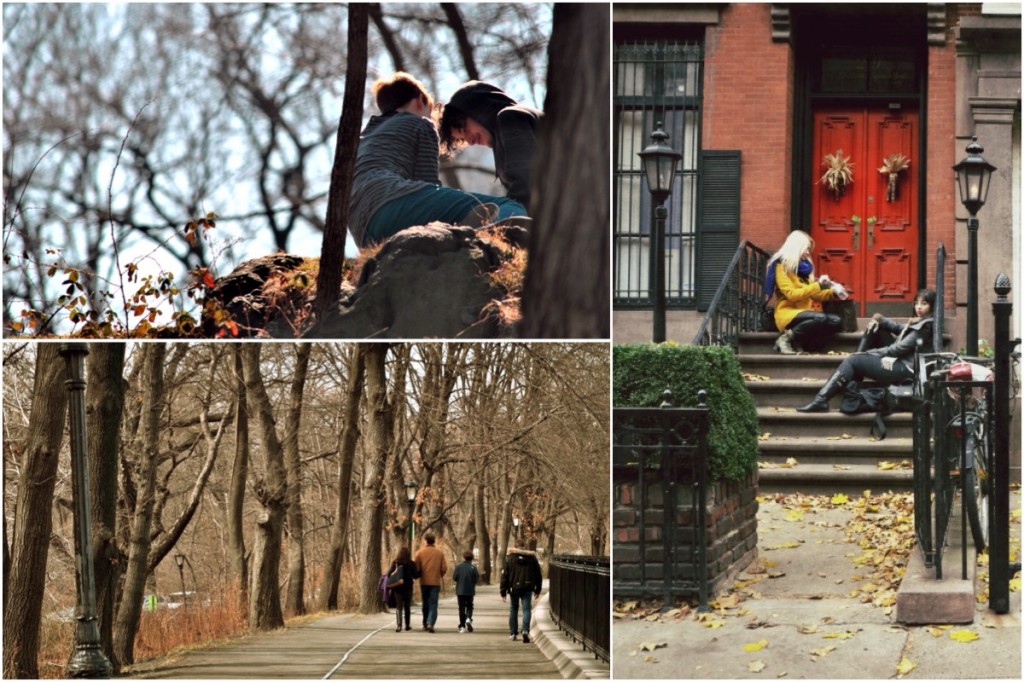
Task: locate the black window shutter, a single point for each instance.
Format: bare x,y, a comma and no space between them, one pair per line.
718,220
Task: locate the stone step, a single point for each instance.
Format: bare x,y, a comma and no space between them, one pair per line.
826,479
843,449
803,366
763,343
787,422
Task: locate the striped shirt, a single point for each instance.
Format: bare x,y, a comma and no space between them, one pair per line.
397,156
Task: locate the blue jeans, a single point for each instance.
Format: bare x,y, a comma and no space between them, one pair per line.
430,594
513,611
433,203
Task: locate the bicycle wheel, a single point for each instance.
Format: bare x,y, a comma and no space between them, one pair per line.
976,489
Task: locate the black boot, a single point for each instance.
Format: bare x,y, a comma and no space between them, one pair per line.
835,383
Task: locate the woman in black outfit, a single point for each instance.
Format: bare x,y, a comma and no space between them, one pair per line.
403,593
886,352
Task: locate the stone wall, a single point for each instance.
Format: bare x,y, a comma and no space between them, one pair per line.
731,542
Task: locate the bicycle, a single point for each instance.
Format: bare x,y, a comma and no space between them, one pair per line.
969,447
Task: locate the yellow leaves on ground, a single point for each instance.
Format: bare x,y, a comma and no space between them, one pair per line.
844,436
889,466
824,651
808,629
788,464
845,634
794,515
905,666
839,498
964,636
750,376
651,646
755,666
756,646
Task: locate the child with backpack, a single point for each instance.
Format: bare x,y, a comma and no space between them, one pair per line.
466,577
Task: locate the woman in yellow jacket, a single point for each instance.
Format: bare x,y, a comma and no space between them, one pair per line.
799,295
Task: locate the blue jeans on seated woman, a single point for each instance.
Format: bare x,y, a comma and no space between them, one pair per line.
433,203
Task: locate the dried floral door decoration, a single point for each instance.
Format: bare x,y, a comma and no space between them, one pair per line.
838,173
893,165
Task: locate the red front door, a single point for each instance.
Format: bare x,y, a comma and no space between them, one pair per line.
866,230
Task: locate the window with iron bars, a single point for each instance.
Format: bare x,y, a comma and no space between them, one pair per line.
656,81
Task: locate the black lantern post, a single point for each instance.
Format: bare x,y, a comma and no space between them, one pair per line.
515,529
973,176
180,560
411,490
88,659
660,162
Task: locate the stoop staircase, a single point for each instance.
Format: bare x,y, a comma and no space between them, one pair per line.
834,452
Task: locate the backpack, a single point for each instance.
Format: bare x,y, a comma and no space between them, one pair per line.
387,595
882,400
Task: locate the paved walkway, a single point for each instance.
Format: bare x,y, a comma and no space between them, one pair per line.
817,610
350,646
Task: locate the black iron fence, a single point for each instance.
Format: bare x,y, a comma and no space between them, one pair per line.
659,460
580,599
739,300
961,445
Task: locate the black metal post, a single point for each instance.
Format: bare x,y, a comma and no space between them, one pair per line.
660,215
999,518
972,286
180,560
88,659
412,524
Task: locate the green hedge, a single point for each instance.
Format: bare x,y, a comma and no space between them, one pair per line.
643,371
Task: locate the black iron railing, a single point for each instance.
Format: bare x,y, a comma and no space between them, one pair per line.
738,302
580,599
659,454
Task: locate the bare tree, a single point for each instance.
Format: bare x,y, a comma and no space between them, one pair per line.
380,437
23,593
271,493
239,474
294,602
568,297
346,457
104,398
130,608
328,281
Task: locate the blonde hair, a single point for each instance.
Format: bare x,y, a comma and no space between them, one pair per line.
792,250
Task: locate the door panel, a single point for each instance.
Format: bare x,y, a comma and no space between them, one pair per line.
864,238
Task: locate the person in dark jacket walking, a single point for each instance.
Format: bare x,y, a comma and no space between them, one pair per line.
402,568
880,356
521,579
479,113
466,577
395,183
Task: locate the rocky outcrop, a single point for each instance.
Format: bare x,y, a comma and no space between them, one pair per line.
425,282
428,281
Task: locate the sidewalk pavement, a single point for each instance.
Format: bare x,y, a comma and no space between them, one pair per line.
819,603
353,646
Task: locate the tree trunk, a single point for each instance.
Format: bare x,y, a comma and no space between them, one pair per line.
236,493
104,397
130,608
32,523
294,601
265,592
332,253
346,457
380,436
483,535
568,297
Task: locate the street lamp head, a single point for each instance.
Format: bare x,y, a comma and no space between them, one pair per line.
411,490
973,176
660,162
180,560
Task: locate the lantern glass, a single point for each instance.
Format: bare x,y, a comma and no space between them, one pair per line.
410,491
660,162
973,177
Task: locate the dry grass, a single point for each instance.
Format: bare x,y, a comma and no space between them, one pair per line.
508,277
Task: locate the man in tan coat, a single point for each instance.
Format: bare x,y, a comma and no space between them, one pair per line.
431,566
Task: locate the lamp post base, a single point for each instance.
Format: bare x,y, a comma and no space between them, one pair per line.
89,661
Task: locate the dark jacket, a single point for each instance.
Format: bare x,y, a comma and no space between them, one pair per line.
408,576
908,336
466,577
521,573
513,129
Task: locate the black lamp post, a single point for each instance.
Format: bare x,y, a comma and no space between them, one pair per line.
411,489
180,560
660,167
88,659
973,176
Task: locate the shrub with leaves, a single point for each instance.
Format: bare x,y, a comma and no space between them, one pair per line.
642,372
